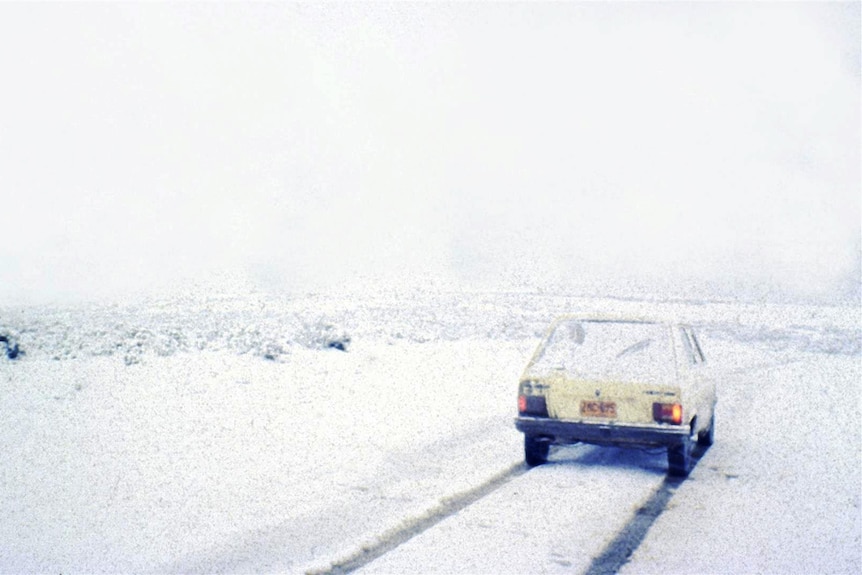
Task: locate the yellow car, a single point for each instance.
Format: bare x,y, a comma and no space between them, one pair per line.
617,381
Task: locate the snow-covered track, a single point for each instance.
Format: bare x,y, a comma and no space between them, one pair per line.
630,537
413,526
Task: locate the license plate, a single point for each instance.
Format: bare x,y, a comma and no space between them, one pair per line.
598,409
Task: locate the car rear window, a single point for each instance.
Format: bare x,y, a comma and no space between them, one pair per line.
621,351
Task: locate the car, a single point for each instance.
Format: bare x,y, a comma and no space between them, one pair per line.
620,381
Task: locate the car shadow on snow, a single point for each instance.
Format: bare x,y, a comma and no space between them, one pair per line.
649,459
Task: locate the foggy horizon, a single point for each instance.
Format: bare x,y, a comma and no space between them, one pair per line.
658,150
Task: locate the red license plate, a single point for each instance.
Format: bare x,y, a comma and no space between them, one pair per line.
599,409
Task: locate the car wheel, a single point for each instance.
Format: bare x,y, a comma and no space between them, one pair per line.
706,437
535,451
679,459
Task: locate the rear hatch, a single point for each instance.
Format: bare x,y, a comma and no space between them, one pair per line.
607,371
599,401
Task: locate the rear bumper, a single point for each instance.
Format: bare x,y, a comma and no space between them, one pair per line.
563,432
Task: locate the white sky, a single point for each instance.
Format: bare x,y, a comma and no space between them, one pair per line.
660,149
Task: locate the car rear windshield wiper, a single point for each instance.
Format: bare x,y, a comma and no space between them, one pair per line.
641,345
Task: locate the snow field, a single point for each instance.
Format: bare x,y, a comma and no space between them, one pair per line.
222,435
216,462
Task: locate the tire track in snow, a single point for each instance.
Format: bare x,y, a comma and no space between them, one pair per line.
629,538
609,561
412,527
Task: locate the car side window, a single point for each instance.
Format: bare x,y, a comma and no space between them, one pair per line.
686,344
695,355
697,351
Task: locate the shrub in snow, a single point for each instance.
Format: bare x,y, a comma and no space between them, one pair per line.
169,342
10,344
273,351
323,335
246,340
340,344
137,341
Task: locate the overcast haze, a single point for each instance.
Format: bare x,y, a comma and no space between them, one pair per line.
661,150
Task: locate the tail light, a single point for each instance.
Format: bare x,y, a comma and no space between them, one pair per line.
534,405
530,402
667,413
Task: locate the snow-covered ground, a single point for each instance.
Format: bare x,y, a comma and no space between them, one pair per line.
223,434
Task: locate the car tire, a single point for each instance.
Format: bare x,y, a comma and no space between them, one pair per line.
679,459
535,451
706,437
